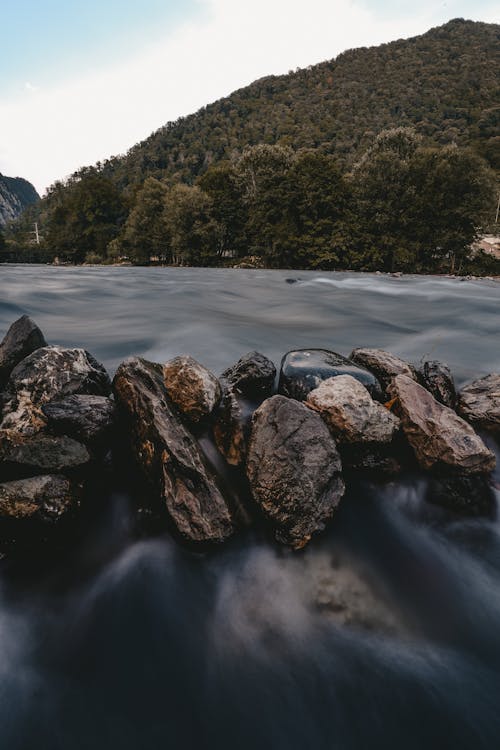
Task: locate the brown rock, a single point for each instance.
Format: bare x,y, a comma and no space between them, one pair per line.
384,365
22,338
293,467
232,427
43,498
439,438
479,403
193,389
437,378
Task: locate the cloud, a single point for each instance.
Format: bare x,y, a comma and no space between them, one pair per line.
47,134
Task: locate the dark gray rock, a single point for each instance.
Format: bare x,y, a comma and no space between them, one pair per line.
22,338
89,419
304,370
193,389
384,365
39,454
169,456
47,374
293,467
479,403
47,498
253,376
437,378
464,495
231,427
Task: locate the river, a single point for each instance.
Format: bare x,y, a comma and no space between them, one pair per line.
384,632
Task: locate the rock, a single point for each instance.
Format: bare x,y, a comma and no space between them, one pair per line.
169,456
479,403
89,419
437,378
384,365
464,495
192,388
49,373
351,413
293,467
232,427
43,499
39,454
380,461
439,437
303,370
253,375
22,338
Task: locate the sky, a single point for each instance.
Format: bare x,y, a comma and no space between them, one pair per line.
82,80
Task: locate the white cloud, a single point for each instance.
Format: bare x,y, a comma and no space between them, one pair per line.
47,134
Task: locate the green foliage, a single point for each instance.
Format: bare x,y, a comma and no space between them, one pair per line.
145,233
193,233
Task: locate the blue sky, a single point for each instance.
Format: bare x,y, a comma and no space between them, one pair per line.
81,81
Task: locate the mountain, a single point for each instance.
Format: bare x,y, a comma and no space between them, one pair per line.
15,195
445,83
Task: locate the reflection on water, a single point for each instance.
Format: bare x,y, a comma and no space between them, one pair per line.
383,633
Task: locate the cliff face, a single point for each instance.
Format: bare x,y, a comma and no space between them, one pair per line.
15,195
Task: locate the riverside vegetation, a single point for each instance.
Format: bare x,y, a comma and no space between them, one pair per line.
214,456
383,159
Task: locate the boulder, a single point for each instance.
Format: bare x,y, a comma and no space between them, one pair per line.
293,467
351,413
384,365
89,419
440,438
39,454
42,499
437,378
232,427
253,376
49,373
192,388
22,338
479,403
303,370
464,495
169,456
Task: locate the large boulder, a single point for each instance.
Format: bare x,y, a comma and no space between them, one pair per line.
49,373
479,403
293,467
253,375
22,338
89,419
169,456
437,378
192,388
384,365
351,413
440,438
304,370
39,454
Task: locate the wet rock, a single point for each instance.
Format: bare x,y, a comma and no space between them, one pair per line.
22,338
89,419
464,495
39,454
193,389
384,365
253,376
303,370
43,498
439,437
49,373
437,378
293,467
351,413
169,456
232,427
378,461
479,403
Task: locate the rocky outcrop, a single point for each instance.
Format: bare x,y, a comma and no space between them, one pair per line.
440,439
192,388
15,195
383,365
293,467
253,376
479,403
304,370
89,419
437,378
49,373
169,456
22,338
351,413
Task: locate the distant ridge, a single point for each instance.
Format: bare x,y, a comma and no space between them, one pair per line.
15,195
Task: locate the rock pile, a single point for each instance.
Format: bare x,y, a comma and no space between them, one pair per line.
216,452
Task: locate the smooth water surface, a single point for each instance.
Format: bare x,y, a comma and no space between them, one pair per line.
384,633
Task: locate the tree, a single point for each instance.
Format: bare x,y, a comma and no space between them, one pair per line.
229,209
193,233
145,232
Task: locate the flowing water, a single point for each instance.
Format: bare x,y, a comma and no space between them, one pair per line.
384,632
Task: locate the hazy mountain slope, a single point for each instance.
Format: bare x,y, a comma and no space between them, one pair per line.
15,195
